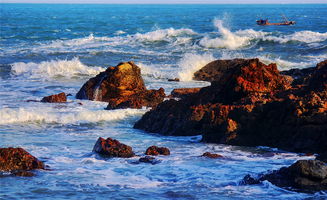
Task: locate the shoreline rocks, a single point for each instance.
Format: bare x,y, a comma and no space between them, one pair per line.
112,148
122,87
56,98
303,175
249,104
18,161
154,151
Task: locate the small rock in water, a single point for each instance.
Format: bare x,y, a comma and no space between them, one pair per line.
56,98
174,79
148,159
112,148
154,151
211,155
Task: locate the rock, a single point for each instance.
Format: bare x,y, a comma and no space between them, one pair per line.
56,98
149,159
154,151
174,79
18,161
122,87
112,148
303,175
211,155
184,92
249,104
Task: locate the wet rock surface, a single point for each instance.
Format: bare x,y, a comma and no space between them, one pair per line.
56,98
122,87
249,104
154,151
211,155
303,175
112,148
18,161
184,92
149,159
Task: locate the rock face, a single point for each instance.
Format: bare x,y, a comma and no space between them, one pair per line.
184,92
211,155
154,151
122,87
56,98
250,104
112,148
18,161
304,175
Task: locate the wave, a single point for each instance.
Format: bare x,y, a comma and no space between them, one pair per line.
54,68
64,116
164,34
301,36
190,63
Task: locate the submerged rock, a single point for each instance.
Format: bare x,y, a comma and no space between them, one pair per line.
122,87
304,175
211,155
149,159
249,104
154,151
18,161
56,98
112,148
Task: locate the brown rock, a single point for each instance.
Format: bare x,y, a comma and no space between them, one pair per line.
184,92
17,159
112,148
148,159
154,151
56,98
122,87
211,155
174,79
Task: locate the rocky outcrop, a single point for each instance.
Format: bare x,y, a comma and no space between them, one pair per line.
183,92
122,87
112,148
211,155
304,175
56,98
154,151
18,161
249,104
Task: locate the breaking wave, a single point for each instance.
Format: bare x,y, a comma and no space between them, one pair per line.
164,34
54,68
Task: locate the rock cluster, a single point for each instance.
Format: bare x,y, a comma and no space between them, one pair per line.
250,104
18,161
304,175
122,87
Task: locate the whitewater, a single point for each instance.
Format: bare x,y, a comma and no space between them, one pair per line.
46,49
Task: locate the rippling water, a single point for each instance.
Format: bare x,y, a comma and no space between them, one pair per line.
47,49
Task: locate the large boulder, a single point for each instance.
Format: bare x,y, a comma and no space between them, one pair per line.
154,151
250,104
303,175
56,98
112,148
122,87
18,161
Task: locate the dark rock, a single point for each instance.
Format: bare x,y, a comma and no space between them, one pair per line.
174,79
56,98
304,175
184,92
154,151
149,159
249,104
211,155
122,87
112,148
18,161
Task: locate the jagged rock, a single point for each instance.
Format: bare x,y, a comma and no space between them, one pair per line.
184,92
56,98
122,87
211,155
18,161
154,151
304,175
112,148
250,104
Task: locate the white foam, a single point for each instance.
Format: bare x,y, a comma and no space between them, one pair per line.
301,36
190,63
49,114
120,32
227,40
163,34
54,68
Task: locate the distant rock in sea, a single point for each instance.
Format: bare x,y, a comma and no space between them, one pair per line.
112,148
154,151
56,98
122,87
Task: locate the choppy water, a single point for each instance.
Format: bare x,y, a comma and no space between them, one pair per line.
47,49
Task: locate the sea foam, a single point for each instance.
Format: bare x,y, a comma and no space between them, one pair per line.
54,68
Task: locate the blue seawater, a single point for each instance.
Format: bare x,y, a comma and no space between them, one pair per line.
49,48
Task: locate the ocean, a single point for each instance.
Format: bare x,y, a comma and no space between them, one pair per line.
50,48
